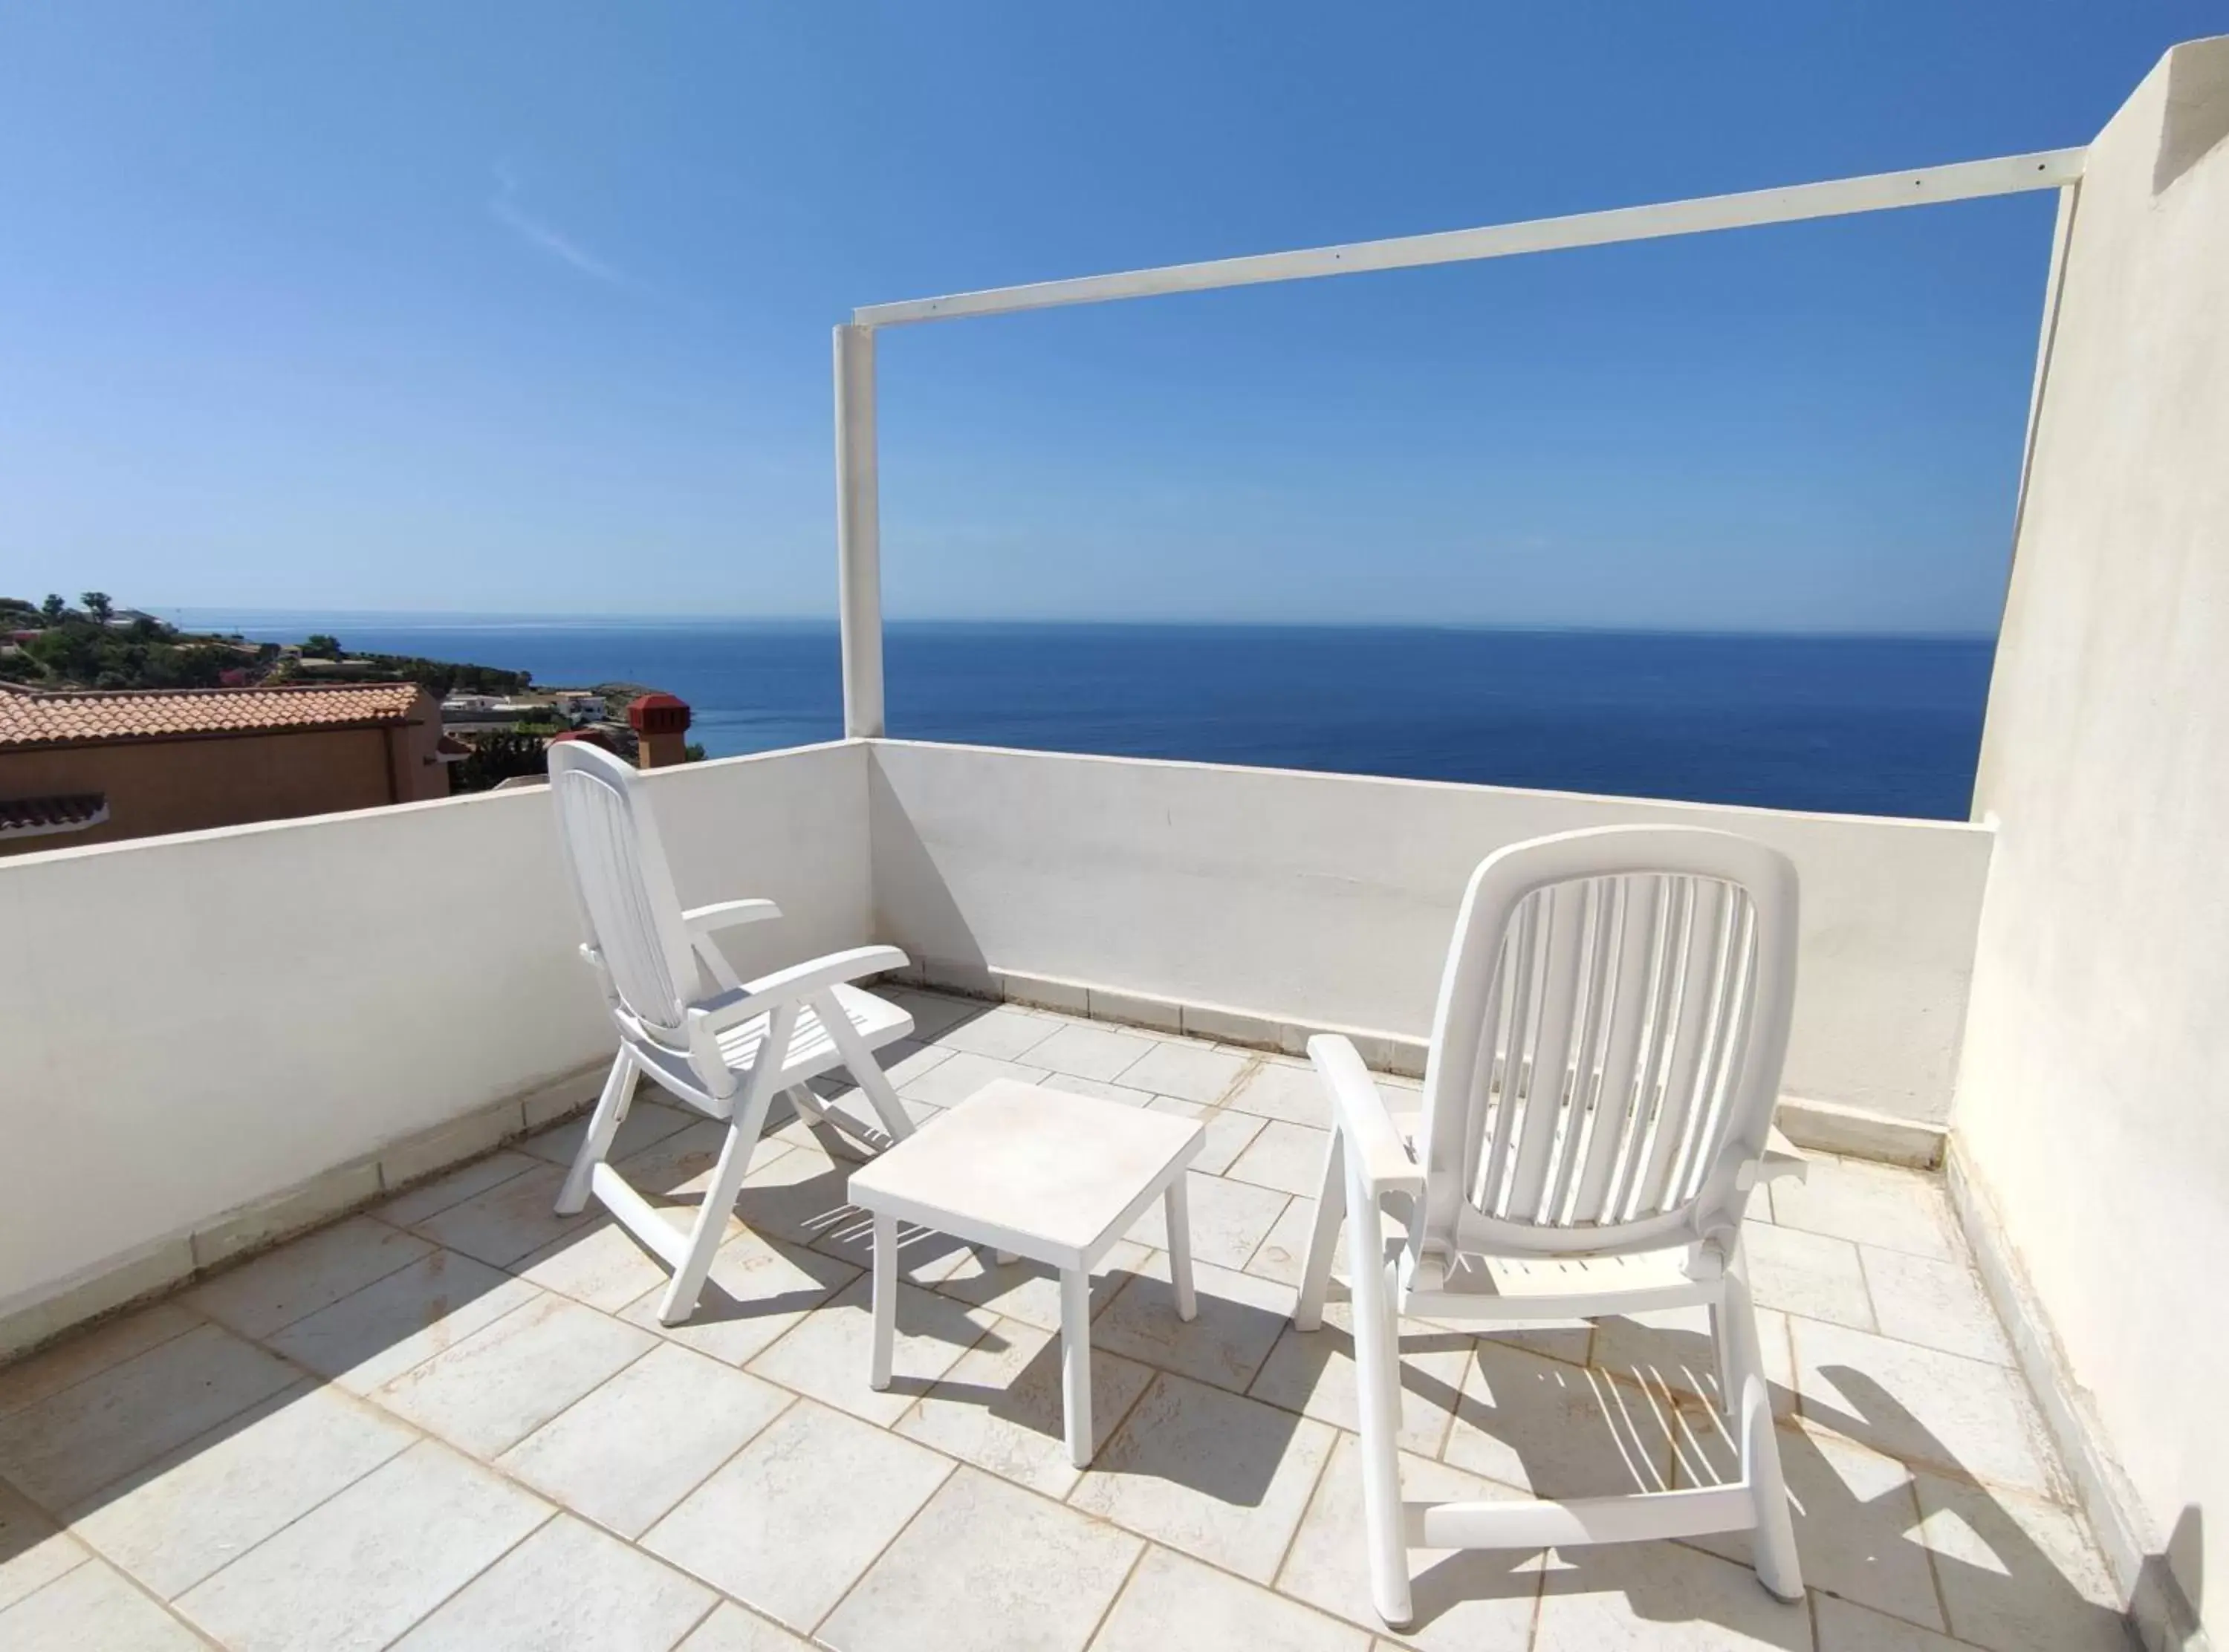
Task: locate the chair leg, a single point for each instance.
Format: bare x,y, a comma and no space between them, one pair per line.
603,1125
1773,1542
1377,1381
743,1128
834,1128
866,1071
1323,1238
807,1104
875,1084
1728,1387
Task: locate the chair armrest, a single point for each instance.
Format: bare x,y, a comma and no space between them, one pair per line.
1373,1144
701,921
740,1003
725,914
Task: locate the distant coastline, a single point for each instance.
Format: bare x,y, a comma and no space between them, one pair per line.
491,724
99,643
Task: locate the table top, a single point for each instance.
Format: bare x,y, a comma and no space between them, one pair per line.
1052,1170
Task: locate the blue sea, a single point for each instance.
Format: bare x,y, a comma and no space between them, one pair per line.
1860,725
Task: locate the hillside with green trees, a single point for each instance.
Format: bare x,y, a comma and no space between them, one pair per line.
53,645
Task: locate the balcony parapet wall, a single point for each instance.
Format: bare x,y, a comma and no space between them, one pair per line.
233,1035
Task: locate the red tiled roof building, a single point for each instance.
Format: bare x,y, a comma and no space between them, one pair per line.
79,766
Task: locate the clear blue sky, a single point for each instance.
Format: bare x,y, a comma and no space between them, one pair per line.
526,308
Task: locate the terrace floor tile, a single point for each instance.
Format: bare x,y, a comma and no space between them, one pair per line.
166,1482
795,1517
985,1567
363,1567
1220,1476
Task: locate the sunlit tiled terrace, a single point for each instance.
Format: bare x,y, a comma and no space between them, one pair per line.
453,1421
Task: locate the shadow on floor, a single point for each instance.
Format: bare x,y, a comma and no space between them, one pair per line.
1560,1427
1870,1525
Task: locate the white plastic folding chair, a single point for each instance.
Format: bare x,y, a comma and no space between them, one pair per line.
708,1048
1597,1106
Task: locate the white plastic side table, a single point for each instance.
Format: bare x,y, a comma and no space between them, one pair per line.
1038,1173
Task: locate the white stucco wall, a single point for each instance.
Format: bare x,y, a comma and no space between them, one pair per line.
2093,1105
196,1023
1329,898
190,1024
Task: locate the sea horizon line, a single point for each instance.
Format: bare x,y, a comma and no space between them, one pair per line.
195,616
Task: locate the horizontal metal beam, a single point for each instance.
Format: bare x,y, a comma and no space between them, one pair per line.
1967,181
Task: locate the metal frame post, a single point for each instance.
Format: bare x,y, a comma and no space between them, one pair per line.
859,540
859,534
1883,191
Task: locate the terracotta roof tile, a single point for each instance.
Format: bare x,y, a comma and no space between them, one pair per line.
72,717
38,817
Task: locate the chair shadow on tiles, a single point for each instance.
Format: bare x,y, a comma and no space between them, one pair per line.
802,1198
2013,1570
1887,1516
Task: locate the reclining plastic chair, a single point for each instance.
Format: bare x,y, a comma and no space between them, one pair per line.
1597,1106
710,1050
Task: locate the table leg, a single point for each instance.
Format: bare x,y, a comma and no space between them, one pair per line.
1076,1361
886,1297
1004,1257
1180,1226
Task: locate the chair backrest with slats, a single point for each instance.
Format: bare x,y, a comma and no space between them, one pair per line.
1609,1040
630,916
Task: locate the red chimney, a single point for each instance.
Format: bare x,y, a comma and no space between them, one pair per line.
659,722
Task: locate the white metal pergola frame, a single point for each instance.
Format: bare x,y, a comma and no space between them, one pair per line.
859,529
